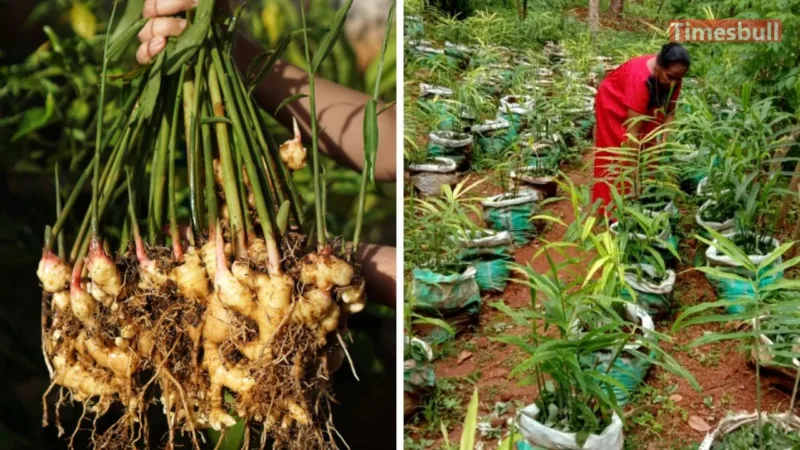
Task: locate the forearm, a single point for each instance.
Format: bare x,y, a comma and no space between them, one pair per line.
379,266
340,111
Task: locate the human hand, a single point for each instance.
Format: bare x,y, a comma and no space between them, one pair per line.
161,25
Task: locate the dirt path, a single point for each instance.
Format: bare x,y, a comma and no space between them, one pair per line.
657,417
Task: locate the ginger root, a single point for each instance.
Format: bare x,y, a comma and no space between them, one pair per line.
292,152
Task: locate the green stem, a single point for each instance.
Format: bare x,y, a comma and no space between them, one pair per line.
125,236
82,241
73,197
272,178
252,173
362,200
156,217
173,143
756,327
189,125
227,163
208,164
319,213
131,206
58,214
98,137
254,143
248,223
196,171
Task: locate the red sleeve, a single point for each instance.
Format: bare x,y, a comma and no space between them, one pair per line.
635,95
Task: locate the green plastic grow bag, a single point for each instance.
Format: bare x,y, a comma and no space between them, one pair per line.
453,298
494,143
444,117
727,289
491,265
629,370
516,219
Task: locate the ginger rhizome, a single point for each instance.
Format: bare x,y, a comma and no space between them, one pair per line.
234,317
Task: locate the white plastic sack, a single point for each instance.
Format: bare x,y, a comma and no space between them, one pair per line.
669,208
538,434
766,357
429,50
450,139
716,226
499,67
457,47
664,236
732,423
447,166
491,125
665,287
540,147
543,82
429,178
717,258
516,104
483,238
686,157
523,174
417,342
420,42
529,136
701,187
506,200
427,90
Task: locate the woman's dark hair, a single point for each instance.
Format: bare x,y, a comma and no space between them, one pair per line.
673,53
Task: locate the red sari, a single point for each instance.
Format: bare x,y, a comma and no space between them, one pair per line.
623,89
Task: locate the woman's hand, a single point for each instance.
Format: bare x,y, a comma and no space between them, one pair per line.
161,25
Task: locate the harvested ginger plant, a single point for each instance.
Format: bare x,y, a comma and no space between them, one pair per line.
233,317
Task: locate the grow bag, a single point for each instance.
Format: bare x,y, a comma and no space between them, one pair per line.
515,109
442,112
656,299
720,227
456,51
512,213
628,369
432,57
494,136
736,289
489,252
546,185
453,145
413,26
665,239
701,187
419,378
429,178
766,357
453,298
789,422
539,435
429,90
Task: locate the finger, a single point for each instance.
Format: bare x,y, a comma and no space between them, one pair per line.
149,49
156,8
162,26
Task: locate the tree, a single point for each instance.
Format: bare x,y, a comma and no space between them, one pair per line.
616,7
594,17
